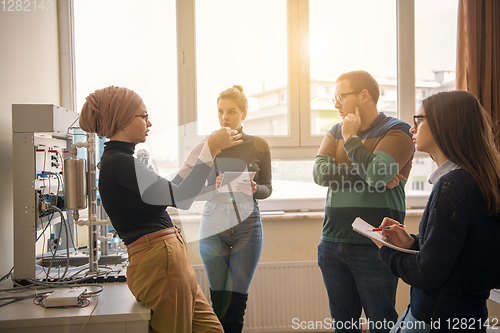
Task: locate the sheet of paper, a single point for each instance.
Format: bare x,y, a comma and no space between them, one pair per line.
235,178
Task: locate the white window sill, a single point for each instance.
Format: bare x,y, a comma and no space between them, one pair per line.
281,216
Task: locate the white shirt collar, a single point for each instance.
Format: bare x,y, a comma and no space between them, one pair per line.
442,170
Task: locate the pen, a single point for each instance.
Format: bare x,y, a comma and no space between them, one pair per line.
380,229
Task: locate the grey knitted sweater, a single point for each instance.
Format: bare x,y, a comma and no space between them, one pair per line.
251,155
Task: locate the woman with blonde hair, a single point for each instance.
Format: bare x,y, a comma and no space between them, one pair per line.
458,242
231,231
159,273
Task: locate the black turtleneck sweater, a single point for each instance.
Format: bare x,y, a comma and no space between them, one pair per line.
135,198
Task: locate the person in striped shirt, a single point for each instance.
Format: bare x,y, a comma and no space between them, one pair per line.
364,161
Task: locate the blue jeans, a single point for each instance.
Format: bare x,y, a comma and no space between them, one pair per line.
230,251
356,278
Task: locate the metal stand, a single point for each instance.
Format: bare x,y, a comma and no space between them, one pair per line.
28,119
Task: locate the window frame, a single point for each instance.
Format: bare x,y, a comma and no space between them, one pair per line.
66,29
299,144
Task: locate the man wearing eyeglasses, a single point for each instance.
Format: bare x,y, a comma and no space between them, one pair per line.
365,162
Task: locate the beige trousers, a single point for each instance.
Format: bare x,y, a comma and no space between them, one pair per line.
161,277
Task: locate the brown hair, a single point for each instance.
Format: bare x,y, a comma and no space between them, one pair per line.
360,80
463,132
235,94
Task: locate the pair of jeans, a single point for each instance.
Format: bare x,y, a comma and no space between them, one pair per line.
230,250
356,278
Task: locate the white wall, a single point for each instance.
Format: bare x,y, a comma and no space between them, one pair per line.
29,73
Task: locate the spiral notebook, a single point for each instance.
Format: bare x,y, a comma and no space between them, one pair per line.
365,228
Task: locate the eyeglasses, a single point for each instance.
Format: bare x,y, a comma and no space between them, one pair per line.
417,120
143,116
340,98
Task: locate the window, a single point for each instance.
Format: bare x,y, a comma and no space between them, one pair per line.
435,62
291,177
285,53
243,43
369,43
128,45
418,185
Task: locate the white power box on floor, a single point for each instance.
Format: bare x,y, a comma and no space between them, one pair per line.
64,297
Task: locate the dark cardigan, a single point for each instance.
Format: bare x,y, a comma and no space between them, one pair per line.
459,259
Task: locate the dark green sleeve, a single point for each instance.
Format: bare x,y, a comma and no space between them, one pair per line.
326,172
264,183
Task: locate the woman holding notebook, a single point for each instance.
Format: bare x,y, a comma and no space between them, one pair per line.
458,262
231,231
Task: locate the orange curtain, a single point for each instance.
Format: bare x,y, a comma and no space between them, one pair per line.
478,54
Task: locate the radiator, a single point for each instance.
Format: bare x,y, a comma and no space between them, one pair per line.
285,296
